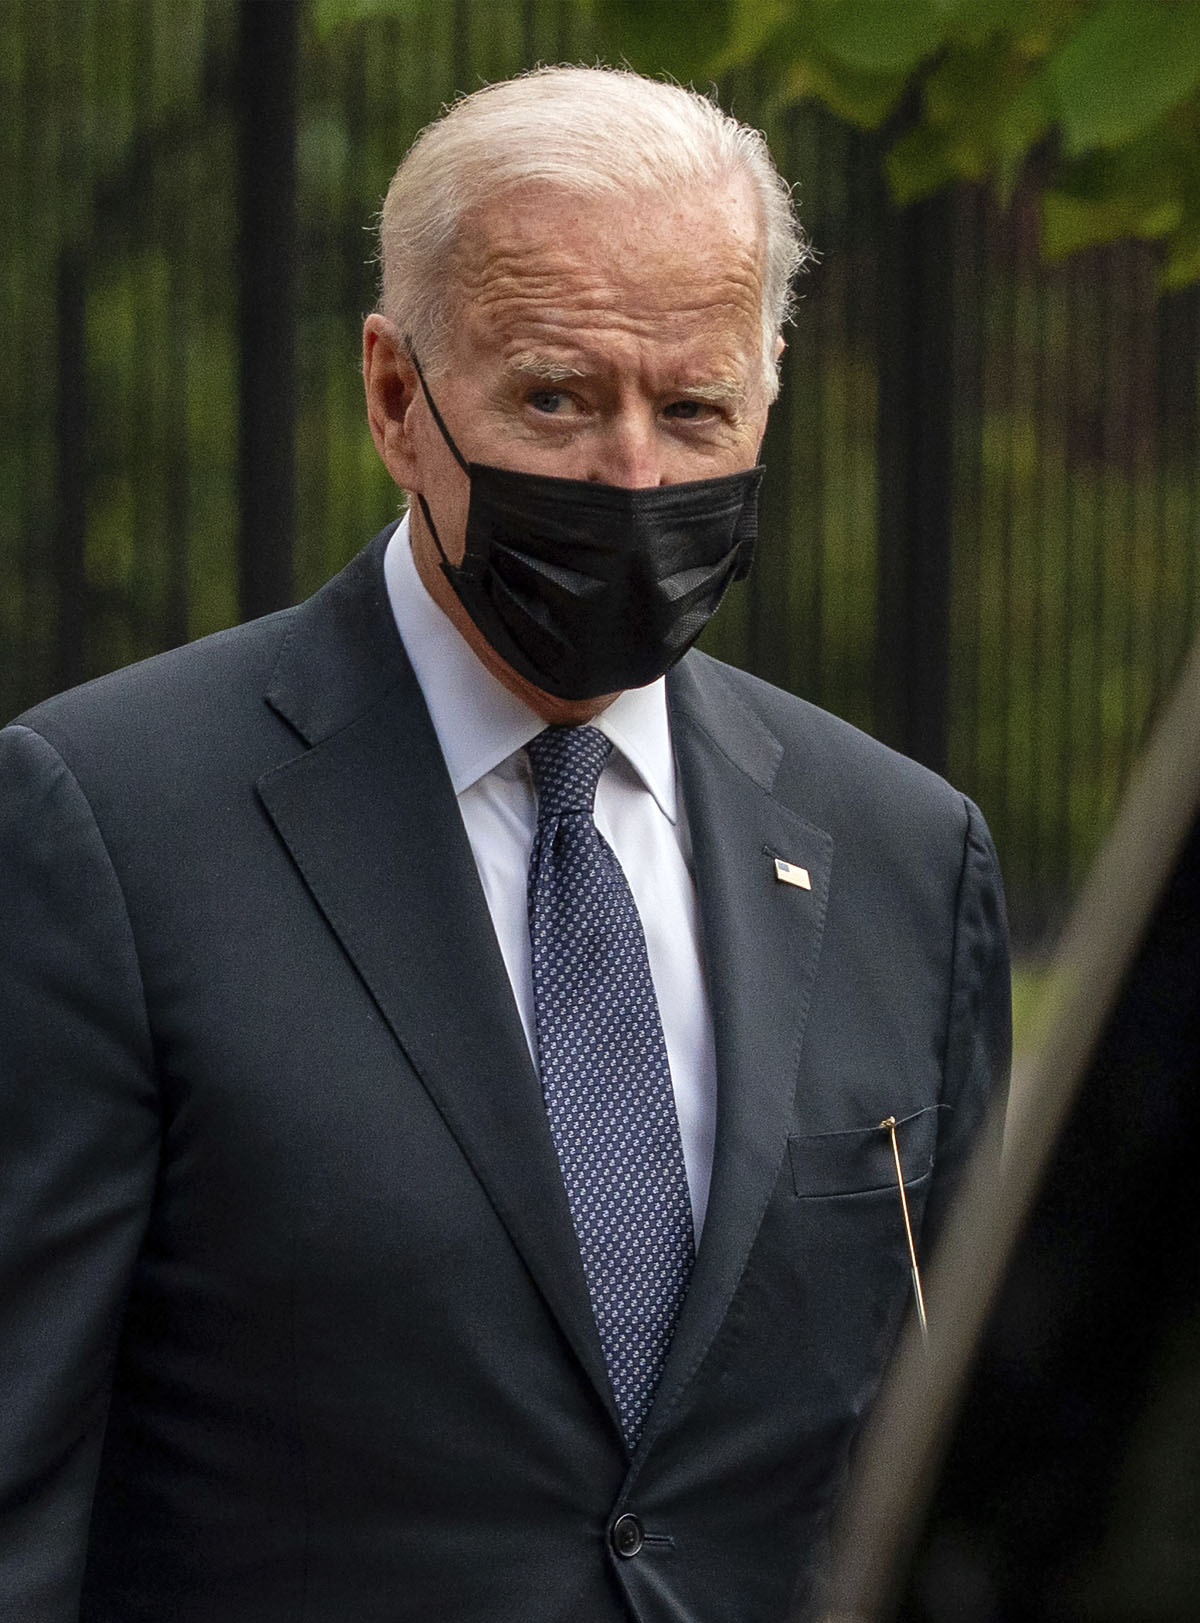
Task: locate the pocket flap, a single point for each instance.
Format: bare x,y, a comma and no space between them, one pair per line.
860,1158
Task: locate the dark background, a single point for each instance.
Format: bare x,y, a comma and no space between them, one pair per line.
982,513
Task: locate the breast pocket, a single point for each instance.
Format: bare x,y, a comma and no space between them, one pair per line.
858,1160
836,1249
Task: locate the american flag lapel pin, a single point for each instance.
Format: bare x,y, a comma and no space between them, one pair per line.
789,873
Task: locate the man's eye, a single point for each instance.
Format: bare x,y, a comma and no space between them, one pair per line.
550,401
690,411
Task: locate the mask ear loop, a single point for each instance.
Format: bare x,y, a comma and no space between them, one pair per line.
437,416
446,435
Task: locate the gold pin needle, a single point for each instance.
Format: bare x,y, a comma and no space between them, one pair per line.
888,1124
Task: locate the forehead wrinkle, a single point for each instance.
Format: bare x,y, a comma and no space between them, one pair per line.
523,268
566,287
547,326
521,274
657,298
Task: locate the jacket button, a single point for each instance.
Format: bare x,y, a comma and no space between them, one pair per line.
627,1535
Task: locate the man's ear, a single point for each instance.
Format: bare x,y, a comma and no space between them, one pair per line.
391,384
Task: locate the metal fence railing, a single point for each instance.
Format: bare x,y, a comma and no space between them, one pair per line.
982,511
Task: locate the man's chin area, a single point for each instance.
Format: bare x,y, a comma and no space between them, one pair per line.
555,712
570,712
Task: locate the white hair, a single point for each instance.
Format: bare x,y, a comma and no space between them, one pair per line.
592,131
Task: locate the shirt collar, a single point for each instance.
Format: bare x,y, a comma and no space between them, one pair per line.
479,723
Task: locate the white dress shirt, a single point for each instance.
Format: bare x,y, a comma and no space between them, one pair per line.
483,729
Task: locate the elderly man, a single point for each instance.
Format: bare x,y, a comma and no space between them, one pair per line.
457,1044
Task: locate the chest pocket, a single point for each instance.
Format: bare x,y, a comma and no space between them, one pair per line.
859,1159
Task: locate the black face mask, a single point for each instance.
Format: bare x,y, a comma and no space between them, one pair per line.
586,589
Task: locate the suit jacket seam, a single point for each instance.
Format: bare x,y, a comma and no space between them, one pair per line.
145,1022
960,894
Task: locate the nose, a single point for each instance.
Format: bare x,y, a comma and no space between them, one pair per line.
626,452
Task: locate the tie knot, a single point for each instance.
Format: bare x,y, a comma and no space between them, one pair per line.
567,763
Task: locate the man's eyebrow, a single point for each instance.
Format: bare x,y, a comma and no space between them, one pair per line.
722,392
532,363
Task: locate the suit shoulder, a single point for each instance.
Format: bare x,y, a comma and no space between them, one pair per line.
192,677
218,687
800,723
161,714
833,767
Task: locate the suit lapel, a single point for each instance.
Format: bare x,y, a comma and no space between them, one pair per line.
370,818
761,941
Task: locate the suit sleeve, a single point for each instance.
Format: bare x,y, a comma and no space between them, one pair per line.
978,1045
78,1160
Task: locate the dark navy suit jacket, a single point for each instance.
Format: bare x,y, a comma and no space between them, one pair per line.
293,1327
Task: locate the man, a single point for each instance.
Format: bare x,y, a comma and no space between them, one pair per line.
360,1261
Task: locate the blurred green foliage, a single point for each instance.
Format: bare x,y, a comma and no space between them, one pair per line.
1105,94
1076,501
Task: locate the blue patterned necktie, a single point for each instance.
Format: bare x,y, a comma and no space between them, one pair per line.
605,1076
